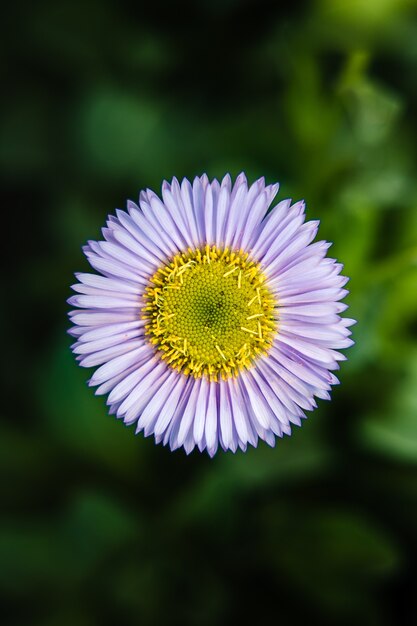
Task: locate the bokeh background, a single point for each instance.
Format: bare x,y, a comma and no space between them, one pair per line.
104,98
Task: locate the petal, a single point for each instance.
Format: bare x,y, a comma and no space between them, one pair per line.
240,418
237,200
118,364
103,356
107,284
221,216
211,427
156,404
109,330
225,412
189,414
168,409
200,410
89,347
178,214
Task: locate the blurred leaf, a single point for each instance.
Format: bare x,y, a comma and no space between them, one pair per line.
60,552
95,526
118,132
364,14
303,455
24,137
335,558
372,110
394,431
79,420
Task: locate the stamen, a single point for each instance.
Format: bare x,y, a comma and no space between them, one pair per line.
247,330
193,305
220,352
230,272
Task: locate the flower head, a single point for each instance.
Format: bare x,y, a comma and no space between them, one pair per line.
212,320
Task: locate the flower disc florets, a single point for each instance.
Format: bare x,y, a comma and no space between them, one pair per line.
209,312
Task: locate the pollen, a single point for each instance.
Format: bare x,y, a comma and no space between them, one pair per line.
209,312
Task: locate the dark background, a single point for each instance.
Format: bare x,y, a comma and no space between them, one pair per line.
102,99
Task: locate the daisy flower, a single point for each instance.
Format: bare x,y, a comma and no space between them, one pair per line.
213,321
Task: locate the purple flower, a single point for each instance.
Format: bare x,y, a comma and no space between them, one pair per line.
212,321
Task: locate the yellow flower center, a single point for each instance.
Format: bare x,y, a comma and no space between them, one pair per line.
209,312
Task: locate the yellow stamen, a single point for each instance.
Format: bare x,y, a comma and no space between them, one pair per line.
247,330
220,352
193,305
230,272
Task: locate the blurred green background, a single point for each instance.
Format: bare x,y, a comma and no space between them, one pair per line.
102,99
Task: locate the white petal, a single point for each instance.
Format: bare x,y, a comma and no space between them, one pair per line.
94,318
240,419
200,410
209,216
122,389
88,347
114,268
109,330
108,284
117,365
120,350
225,414
104,302
231,221
211,427
189,415
169,407
221,215
177,213
155,405
187,199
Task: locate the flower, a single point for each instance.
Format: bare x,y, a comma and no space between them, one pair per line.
213,321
